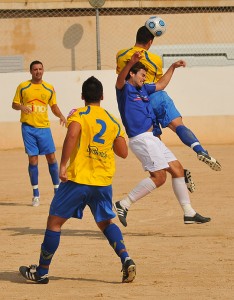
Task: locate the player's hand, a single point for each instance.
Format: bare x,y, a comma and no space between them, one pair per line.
63,174
136,57
63,121
179,63
25,109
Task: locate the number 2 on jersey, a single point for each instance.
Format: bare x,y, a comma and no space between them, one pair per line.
97,138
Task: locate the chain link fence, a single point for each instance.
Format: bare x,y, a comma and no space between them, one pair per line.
65,39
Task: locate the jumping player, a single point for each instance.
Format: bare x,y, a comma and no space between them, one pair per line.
92,139
138,118
163,106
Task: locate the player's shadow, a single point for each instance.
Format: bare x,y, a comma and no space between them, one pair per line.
94,234
12,204
97,234
18,231
15,277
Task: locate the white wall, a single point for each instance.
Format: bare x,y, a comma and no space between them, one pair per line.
204,96
196,91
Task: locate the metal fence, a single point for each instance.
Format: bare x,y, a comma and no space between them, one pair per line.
66,38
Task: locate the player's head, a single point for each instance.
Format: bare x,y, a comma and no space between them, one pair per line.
143,36
37,71
92,90
35,62
136,68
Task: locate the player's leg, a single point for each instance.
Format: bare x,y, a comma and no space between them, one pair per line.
39,274
146,147
53,169
101,207
33,175
67,203
180,190
47,148
168,116
189,139
29,135
115,238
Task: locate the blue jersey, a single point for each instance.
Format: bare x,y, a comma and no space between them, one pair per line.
135,110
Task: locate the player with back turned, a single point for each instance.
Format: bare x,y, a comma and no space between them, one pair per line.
93,138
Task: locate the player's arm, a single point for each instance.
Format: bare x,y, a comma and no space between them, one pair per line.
56,111
120,147
120,82
17,103
23,108
165,79
70,142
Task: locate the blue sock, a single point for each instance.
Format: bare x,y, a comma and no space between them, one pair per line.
48,248
54,173
115,238
189,139
33,175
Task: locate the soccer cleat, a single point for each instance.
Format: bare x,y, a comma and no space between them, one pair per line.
35,201
121,213
198,219
129,270
30,273
189,181
210,161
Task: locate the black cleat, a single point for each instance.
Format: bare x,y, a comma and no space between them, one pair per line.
210,161
198,219
129,270
30,273
121,213
189,181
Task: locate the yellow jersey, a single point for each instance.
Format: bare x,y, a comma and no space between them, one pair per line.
37,97
92,161
152,62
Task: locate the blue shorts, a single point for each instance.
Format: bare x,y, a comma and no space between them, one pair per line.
164,108
37,141
71,199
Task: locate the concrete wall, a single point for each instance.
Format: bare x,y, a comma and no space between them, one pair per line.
204,96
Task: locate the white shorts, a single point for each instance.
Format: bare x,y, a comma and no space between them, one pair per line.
151,151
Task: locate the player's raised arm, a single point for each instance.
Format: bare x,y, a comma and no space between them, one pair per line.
165,79
120,82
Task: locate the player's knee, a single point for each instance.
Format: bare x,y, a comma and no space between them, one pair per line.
159,177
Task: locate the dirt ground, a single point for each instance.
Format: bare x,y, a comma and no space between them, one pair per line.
174,261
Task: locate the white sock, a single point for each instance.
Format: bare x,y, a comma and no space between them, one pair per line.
143,188
182,195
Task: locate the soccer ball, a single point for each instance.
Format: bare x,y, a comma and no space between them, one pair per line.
156,26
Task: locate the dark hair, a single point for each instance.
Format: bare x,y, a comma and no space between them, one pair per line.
35,62
143,35
136,68
92,90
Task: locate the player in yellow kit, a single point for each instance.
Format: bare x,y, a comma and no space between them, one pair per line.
32,98
93,138
164,108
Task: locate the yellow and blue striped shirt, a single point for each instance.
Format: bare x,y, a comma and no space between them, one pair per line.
92,161
37,97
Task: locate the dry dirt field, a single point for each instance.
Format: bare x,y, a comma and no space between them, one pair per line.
174,261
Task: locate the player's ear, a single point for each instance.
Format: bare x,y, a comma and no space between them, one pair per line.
82,97
102,97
